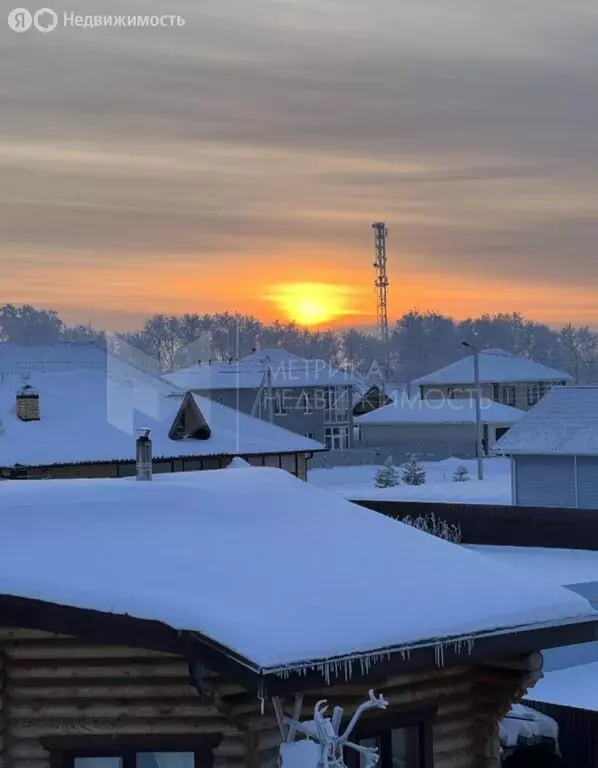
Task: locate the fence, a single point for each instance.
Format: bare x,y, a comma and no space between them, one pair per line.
578,733
497,525
354,457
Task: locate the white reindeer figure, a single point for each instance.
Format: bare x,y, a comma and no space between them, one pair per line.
325,745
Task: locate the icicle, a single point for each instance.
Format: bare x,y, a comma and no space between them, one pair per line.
470,643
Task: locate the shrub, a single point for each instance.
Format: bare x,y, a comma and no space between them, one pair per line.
461,474
435,526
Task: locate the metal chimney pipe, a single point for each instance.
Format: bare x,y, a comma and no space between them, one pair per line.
144,456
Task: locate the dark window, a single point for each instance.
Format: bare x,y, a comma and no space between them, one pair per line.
404,740
533,394
508,395
141,752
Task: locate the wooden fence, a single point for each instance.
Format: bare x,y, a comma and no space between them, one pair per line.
564,528
578,733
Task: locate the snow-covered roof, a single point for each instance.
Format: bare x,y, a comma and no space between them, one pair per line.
287,371
93,416
440,411
295,595
59,357
496,367
564,422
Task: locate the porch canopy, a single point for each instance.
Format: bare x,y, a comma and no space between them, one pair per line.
263,578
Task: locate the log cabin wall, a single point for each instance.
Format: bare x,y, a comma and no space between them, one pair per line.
54,686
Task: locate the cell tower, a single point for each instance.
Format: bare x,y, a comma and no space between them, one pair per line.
381,280
381,285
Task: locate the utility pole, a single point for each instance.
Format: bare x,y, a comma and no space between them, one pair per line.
269,390
478,408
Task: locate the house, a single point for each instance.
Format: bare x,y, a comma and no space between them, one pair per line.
83,423
554,451
435,426
505,378
197,609
309,397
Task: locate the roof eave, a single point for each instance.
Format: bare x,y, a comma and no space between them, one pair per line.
115,629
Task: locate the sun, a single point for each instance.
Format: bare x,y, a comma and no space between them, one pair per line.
310,303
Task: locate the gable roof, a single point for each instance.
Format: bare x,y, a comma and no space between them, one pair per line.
564,422
461,410
287,371
278,617
93,415
496,366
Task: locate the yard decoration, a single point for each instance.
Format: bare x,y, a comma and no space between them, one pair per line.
324,746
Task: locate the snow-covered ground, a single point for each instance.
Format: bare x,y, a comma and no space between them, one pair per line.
358,483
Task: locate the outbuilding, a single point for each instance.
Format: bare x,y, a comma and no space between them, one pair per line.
554,451
436,427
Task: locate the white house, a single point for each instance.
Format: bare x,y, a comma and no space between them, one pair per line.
505,378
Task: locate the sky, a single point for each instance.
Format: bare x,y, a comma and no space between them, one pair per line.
237,163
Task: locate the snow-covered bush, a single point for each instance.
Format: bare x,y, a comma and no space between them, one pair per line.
435,526
413,472
461,474
386,476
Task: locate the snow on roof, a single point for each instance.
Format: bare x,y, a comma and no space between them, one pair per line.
439,410
564,422
496,366
93,415
59,357
287,370
571,687
163,550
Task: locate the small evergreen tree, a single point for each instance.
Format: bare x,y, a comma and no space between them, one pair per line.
414,473
387,475
461,474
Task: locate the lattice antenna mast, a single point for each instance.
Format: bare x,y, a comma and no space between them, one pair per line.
381,285
381,280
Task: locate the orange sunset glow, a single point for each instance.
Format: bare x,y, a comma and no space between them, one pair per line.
236,164
312,304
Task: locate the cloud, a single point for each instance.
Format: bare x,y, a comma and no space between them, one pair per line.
267,126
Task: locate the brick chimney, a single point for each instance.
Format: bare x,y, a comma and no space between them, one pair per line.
144,455
28,404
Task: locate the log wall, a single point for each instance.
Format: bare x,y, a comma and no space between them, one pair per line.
57,686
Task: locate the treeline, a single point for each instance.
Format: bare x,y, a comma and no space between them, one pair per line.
420,342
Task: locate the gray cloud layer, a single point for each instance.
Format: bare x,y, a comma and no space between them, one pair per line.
470,126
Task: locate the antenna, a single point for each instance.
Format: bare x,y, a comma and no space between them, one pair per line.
381,286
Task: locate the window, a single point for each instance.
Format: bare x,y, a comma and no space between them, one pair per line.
337,438
496,393
533,394
142,751
508,395
280,405
451,393
404,740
